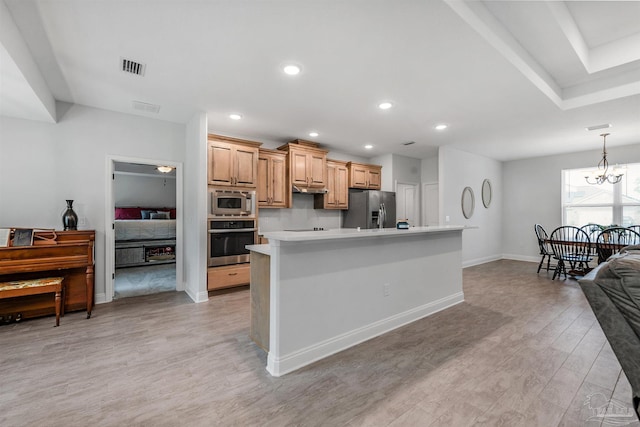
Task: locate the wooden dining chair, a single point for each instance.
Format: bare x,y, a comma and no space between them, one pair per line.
612,239
592,230
572,250
543,244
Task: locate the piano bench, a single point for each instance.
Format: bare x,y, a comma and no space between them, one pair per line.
20,288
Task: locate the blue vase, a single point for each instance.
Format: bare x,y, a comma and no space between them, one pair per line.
69,218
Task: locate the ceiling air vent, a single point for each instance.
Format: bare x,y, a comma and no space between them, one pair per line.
147,108
133,67
598,127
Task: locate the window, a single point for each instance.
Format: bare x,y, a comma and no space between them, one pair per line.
604,204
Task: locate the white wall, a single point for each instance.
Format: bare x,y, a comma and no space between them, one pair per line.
457,170
43,164
195,208
532,194
429,173
301,215
406,169
135,190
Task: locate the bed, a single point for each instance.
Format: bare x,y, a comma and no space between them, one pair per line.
144,236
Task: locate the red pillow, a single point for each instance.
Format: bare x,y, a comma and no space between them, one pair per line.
128,213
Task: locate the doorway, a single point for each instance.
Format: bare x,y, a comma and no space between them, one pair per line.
408,202
143,238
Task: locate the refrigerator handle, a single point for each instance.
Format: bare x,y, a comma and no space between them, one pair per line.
383,216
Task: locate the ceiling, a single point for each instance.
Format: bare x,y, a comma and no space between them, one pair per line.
511,79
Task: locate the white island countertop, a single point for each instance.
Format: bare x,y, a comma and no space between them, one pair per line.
353,233
262,249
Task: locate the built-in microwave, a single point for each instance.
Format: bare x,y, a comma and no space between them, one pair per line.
232,203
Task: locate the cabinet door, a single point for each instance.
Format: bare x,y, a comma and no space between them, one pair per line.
220,163
245,173
330,198
278,182
358,177
341,188
299,175
374,179
263,181
317,169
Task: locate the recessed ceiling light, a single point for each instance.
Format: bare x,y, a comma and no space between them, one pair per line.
385,105
313,134
235,116
368,146
441,126
291,69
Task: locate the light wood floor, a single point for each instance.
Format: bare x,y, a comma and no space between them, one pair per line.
520,351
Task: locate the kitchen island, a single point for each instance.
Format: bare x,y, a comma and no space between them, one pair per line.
315,293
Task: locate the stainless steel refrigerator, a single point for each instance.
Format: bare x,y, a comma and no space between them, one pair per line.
370,209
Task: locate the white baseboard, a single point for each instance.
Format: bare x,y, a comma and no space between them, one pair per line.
478,261
527,258
305,356
100,298
197,296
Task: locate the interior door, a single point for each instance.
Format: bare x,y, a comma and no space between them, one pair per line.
407,203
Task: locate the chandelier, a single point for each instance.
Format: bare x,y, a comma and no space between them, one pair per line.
602,175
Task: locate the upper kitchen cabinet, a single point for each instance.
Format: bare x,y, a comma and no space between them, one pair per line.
307,164
272,179
337,196
368,177
232,162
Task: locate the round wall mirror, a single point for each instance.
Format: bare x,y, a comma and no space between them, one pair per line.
468,202
486,193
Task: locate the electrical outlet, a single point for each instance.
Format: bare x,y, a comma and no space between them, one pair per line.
82,221
447,218
385,290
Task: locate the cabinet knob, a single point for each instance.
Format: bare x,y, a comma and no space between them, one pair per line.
233,274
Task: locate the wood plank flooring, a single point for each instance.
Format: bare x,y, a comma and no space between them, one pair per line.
522,350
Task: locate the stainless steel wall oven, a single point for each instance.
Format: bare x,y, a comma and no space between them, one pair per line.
227,240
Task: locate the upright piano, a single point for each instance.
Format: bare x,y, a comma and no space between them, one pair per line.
67,254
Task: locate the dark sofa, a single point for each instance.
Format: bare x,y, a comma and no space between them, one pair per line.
613,291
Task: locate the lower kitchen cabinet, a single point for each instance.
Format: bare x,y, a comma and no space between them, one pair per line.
228,276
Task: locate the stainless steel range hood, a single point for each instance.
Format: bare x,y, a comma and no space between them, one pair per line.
304,190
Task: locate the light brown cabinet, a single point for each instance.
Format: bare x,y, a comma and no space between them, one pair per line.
337,196
232,162
228,276
307,164
272,179
364,176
